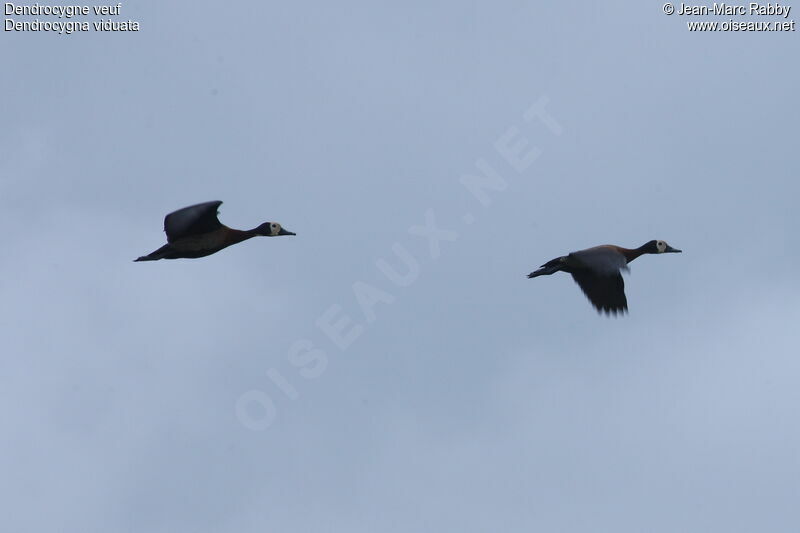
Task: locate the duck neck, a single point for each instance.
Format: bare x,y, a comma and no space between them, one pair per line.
631,254
237,235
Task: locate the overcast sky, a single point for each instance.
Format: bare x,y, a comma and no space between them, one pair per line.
373,374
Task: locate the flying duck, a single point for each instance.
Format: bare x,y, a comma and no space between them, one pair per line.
195,231
597,271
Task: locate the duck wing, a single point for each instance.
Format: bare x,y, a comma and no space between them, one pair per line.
605,260
605,291
192,220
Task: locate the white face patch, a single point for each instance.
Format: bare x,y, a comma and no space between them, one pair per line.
274,228
661,246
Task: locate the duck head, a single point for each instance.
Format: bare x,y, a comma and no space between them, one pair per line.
658,247
271,229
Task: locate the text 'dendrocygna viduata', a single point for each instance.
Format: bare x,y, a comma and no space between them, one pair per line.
597,271
195,231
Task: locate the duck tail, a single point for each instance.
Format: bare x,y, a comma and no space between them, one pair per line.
548,268
161,253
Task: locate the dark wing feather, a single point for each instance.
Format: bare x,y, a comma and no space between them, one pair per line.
192,220
602,260
606,292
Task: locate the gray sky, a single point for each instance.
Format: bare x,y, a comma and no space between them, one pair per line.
469,399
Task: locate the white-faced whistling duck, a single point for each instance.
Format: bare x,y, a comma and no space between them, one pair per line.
597,271
196,231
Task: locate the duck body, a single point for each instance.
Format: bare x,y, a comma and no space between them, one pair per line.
195,231
598,271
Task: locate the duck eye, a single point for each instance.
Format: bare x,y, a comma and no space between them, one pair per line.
274,225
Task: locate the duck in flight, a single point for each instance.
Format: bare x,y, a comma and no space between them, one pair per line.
597,271
195,231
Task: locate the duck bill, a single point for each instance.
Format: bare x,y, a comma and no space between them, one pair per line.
284,232
671,250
